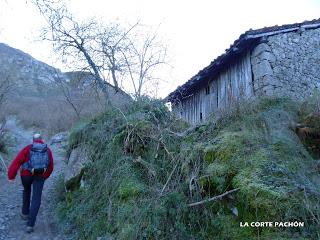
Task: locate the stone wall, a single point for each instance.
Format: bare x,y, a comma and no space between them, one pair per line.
288,64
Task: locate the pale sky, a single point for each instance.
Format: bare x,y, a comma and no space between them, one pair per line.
196,31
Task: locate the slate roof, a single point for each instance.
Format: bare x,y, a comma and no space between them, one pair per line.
245,41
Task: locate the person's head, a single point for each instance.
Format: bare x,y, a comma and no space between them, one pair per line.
37,137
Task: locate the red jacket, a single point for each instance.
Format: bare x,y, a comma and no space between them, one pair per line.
22,157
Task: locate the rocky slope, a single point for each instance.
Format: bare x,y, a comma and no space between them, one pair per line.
25,72
43,96
35,78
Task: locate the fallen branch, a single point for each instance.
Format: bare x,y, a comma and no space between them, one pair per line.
173,170
169,178
215,198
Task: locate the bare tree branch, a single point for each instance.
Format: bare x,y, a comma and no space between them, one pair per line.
113,53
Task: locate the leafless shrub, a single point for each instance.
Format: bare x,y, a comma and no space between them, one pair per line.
50,114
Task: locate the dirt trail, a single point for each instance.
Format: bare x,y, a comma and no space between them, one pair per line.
12,227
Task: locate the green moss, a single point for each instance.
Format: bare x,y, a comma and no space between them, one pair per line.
130,188
209,153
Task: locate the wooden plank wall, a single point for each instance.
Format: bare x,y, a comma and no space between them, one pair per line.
235,83
229,86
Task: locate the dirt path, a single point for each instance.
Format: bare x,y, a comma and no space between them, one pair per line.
12,227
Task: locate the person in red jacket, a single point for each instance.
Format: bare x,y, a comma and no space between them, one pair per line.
31,179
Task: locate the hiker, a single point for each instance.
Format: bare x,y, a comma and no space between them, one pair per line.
36,163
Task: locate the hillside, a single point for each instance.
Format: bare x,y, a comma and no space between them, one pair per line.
35,78
149,175
42,96
29,75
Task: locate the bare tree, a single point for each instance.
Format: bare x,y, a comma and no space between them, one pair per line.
6,87
79,92
119,55
74,41
132,56
67,93
143,57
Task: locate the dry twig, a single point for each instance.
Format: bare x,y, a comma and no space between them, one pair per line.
215,198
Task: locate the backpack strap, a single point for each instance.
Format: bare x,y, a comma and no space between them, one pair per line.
26,165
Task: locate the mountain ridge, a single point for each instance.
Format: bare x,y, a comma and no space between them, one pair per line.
28,74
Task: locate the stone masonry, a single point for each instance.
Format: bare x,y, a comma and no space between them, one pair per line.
288,64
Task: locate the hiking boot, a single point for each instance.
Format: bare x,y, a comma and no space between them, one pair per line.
24,216
29,229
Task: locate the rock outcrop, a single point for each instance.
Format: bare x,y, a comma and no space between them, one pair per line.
60,138
29,76
75,168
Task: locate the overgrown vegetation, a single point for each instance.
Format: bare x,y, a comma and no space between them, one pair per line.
146,167
309,128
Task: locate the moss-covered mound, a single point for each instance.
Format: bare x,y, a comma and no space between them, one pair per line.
147,167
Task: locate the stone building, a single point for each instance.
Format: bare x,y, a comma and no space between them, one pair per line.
279,60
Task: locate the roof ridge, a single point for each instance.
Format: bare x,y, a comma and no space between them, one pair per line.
283,26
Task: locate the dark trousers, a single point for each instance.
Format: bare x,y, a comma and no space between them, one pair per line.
36,183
